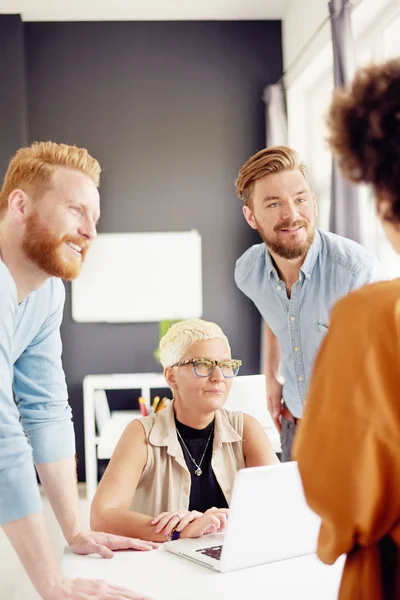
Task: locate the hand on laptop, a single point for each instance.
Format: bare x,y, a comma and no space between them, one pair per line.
212,521
165,522
191,523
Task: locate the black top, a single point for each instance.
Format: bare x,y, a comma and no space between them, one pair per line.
205,491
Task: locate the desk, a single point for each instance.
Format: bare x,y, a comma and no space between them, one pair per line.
164,576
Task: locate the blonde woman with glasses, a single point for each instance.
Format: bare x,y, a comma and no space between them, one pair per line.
172,473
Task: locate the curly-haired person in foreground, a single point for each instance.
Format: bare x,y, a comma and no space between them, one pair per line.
351,427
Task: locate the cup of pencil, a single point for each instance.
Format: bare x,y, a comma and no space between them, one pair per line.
144,411
159,404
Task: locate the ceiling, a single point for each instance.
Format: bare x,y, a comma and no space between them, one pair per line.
152,10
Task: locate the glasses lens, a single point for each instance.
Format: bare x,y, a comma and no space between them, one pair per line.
203,367
229,368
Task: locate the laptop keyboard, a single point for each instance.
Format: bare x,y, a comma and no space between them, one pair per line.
212,552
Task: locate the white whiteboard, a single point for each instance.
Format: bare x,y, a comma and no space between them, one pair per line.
140,277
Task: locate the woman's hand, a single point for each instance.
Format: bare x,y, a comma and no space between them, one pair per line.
212,521
167,521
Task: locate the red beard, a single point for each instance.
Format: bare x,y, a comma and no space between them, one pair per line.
46,250
289,249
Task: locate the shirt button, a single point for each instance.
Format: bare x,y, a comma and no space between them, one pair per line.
292,318
278,287
296,348
300,378
308,276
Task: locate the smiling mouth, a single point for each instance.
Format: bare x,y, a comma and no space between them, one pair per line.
76,249
292,229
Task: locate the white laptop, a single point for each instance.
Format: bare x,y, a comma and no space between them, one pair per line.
269,520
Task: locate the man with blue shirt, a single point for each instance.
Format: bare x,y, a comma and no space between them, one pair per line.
49,207
294,277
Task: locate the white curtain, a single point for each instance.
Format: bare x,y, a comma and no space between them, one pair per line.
275,115
345,215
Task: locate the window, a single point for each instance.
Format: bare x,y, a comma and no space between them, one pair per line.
391,39
308,100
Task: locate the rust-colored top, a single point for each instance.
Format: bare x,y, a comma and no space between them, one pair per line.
348,444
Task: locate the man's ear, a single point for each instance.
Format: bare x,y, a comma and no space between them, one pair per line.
170,377
248,215
19,204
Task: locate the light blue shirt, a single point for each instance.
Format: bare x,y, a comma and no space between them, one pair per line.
334,266
35,417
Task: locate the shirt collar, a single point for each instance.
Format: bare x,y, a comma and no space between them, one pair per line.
312,255
163,432
269,265
308,264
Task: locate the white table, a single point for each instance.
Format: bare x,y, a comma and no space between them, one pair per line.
164,576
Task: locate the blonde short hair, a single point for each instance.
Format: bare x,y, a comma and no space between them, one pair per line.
269,160
31,168
182,335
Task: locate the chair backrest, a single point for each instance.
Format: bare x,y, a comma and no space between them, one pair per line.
101,409
249,395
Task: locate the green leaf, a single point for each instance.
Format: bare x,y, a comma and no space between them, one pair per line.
163,327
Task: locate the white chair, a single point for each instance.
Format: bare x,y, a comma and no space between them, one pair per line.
110,424
102,412
249,395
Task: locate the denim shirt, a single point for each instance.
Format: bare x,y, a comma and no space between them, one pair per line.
35,417
333,267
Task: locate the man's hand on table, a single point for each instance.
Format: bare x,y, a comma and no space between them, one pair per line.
88,589
104,544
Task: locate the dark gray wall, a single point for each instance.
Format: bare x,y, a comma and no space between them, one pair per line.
171,110
13,115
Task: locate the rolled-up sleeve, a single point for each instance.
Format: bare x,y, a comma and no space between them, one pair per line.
41,391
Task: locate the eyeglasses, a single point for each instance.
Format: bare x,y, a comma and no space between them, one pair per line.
204,367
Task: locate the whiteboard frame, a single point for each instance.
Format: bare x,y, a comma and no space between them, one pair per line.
140,278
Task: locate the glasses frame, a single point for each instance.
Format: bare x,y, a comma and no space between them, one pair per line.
216,363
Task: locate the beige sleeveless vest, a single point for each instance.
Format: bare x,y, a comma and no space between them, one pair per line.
165,482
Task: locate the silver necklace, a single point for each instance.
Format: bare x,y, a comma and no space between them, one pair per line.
198,470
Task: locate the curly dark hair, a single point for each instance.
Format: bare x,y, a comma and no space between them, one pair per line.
364,130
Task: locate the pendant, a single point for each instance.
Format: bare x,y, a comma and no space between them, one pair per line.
198,472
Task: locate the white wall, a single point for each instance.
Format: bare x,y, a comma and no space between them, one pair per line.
301,21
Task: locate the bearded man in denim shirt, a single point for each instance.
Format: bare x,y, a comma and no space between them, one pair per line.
294,277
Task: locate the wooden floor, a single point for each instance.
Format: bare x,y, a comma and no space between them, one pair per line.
14,583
